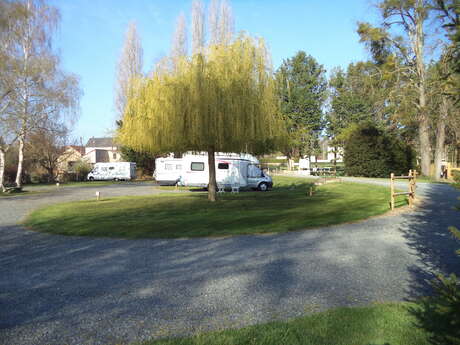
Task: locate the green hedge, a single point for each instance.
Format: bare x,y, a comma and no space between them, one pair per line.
372,152
456,175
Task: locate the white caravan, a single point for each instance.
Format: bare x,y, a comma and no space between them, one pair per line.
113,171
232,170
168,171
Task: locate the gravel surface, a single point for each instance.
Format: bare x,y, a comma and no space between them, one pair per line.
71,290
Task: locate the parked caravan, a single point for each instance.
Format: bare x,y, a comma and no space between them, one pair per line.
117,171
231,171
168,171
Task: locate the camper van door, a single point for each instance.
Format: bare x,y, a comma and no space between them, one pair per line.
196,171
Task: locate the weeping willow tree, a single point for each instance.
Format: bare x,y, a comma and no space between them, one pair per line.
220,100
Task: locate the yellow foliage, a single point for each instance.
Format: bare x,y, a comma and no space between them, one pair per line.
221,100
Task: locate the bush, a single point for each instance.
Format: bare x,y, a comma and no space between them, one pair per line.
273,160
40,178
456,175
81,169
372,152
68,177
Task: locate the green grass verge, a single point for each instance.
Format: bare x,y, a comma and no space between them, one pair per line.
285,208
379,324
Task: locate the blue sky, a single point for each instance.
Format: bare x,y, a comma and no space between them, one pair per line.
92,31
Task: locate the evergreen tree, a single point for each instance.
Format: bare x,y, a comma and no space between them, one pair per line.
302,89
373,152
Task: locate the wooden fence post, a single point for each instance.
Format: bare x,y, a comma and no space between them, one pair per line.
392,191
410,188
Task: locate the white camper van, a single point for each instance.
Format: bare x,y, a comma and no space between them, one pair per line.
232,169
116,171
168,171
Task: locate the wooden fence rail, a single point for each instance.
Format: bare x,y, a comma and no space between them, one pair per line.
412,177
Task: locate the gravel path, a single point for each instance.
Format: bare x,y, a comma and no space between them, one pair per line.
70,290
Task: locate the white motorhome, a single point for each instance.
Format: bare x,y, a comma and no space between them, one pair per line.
117,171
232,170
168,171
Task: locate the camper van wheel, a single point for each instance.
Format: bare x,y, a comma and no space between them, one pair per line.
263,187
116,179
91,179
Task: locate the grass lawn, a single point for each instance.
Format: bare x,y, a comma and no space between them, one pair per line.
189,214
378,324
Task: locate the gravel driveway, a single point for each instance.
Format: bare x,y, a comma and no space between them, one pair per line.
71,290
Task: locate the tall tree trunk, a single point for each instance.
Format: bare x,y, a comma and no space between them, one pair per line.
212,186
2,170
418,42
425,145
20,162
440,139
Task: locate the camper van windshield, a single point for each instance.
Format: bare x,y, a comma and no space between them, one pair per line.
254,171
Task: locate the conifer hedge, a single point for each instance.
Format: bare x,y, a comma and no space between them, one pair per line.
371,151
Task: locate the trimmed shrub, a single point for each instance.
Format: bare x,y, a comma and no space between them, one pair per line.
81,169
456,175
372,152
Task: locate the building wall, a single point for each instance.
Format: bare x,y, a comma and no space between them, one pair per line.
69,157
102,154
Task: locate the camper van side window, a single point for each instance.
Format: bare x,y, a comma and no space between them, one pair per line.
197,166
222,166
111,168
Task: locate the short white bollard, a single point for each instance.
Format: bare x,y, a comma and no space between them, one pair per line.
57,184
98,195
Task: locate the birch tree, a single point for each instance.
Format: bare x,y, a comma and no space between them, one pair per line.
12,16
41,92
129,69
410,16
